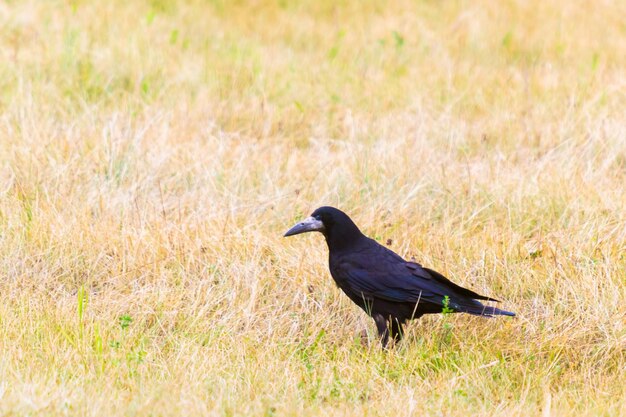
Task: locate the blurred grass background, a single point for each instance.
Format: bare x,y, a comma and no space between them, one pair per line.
152,153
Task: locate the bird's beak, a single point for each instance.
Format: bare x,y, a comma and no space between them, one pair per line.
310,224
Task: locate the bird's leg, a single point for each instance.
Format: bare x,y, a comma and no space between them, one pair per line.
397,332
383,329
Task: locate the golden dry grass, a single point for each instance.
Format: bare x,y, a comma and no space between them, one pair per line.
152,153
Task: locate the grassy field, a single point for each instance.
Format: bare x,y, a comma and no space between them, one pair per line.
152,154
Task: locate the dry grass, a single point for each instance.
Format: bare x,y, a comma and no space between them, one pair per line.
153,153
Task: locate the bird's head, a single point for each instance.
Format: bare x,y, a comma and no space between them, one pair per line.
333,223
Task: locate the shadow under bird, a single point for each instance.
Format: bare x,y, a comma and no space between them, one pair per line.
388,288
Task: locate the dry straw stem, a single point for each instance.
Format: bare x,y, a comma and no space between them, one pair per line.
152,153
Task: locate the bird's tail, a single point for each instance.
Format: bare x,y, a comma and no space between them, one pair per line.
477,308
499,312
490,312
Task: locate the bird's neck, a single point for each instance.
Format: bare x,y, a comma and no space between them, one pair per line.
346,237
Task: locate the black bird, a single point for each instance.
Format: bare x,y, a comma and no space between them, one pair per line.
388,288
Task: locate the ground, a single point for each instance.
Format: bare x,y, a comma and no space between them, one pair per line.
152,154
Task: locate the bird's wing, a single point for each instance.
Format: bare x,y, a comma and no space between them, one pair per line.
385,275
